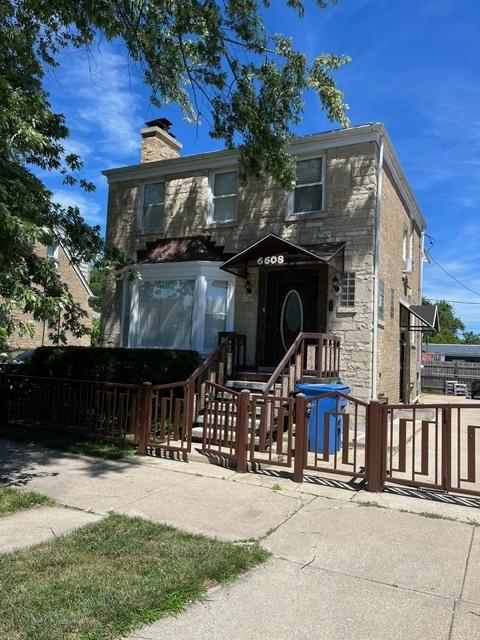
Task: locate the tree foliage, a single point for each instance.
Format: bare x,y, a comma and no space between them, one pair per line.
215,59
470,337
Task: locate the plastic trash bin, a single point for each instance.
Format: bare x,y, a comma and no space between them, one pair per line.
316,424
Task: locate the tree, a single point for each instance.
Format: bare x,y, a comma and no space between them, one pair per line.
450,324
214,58
470,337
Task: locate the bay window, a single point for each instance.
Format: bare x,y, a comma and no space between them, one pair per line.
178,306
215,312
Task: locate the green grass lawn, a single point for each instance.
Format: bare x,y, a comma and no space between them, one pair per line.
109,577
12,500
65,441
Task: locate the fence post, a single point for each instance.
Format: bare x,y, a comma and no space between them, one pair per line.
145,416
374,447
300,437
447,447
189,399
241,432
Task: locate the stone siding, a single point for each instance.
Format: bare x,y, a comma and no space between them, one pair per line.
41,336
350,197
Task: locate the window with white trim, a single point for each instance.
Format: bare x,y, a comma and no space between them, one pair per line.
347,293
215,312
308,192
224,188
153,206
52,251
178,306
164,314
381,300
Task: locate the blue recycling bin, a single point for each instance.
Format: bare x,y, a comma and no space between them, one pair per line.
316,424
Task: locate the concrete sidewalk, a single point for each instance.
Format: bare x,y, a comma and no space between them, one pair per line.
341,567
39,524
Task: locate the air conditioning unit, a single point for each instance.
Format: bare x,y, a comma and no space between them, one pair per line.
408,266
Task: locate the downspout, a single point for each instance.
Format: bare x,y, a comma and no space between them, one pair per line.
376,263
420,301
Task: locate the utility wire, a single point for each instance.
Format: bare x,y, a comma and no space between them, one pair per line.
450,275
452,301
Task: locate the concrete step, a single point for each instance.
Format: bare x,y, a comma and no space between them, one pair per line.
254,376
197,435
221,420
240,384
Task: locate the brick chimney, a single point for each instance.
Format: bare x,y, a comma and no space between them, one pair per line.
157,141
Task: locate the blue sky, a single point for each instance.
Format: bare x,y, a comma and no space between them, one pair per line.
415,67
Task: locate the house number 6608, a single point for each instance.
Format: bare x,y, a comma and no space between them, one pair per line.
271,260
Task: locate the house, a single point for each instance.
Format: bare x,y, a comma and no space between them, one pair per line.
76,278
341,253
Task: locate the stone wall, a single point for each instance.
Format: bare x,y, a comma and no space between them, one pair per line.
395,221
41,336
350,196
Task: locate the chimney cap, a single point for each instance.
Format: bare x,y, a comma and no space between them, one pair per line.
162,123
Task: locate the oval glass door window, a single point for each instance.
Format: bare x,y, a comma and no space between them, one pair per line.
291,318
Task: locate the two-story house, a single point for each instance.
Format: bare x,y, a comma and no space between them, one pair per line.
340,253
76,279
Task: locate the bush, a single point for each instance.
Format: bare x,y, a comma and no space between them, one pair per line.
158,366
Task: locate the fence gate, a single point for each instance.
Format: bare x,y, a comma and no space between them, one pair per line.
435,446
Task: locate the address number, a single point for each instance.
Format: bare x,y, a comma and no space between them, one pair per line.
271,260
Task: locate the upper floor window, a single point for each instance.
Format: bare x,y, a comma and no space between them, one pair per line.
392,303
152,213
224,196
308,193
347,293
52,252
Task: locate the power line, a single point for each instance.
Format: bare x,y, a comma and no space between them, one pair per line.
452,301
454,278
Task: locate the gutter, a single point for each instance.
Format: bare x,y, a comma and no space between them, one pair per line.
376,264
420,298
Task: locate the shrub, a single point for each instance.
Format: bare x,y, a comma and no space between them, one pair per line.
158,366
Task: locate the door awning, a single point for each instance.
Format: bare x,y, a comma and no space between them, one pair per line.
273,251
426,313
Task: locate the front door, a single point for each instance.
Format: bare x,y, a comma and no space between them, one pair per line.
291,306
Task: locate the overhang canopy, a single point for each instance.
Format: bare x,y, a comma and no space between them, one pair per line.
181,250
427,314
271,250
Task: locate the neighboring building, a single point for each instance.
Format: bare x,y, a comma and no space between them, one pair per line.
340,253
451,353
76,278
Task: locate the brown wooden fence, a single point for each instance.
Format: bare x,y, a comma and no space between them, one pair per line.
435,374
435,446
97,409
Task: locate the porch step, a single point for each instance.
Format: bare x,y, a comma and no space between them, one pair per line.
197,435
251,385
221,421
253,376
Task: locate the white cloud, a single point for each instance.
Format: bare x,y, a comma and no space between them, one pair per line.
90,210
100,96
